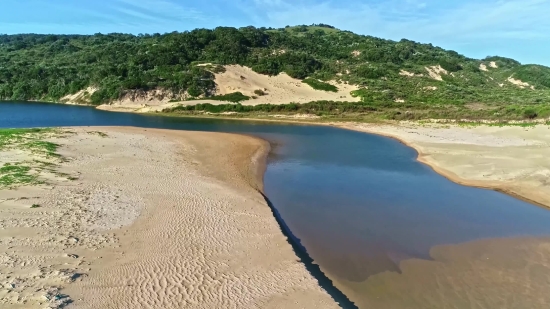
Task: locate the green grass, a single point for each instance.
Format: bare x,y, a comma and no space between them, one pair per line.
498,124
33,142
381,110
28,138
234,97
16,174
47,148
318,85
11,136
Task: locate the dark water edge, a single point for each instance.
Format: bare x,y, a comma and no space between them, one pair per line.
352,205
299,250
315,271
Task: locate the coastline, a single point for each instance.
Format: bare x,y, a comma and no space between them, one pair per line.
152,213
424,158
247,172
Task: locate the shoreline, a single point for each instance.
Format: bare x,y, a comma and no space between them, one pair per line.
421,154
254,171
421,157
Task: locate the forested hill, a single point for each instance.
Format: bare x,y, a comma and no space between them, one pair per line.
48,67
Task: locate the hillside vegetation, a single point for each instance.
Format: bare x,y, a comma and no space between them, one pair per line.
391,75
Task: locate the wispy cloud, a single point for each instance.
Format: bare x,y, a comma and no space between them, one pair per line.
67,16
160,9
514,28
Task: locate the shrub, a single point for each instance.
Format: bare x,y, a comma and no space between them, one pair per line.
259,92
218,69
366,71
450,65
234,97
530,113
318,85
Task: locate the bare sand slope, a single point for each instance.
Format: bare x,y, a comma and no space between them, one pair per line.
513,159
156,219
279,89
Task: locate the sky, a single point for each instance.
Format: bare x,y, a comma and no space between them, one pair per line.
518,29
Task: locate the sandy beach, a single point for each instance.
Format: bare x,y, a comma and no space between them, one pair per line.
146,218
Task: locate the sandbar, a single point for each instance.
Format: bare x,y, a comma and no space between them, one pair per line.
148,218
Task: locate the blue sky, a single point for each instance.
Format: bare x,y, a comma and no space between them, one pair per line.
519,29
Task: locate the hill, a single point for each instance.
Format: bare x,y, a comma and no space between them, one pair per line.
383,74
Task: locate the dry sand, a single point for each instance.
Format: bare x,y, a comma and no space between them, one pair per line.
280,89
156,219
512,159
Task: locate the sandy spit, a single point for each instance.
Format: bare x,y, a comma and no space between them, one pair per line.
156,219
510,159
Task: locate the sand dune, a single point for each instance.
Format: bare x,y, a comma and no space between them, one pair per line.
156,219
280,89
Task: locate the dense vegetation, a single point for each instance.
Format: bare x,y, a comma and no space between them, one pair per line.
234,97
332,110
48,67
319,85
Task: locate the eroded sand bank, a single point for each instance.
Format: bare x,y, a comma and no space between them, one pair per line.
156,219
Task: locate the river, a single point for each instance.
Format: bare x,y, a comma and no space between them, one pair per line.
358,203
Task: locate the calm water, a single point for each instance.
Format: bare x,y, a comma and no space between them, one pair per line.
359,203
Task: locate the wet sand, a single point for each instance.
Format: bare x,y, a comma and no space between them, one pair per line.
484,274
156,219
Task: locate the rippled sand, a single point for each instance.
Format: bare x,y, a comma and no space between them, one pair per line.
156,219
